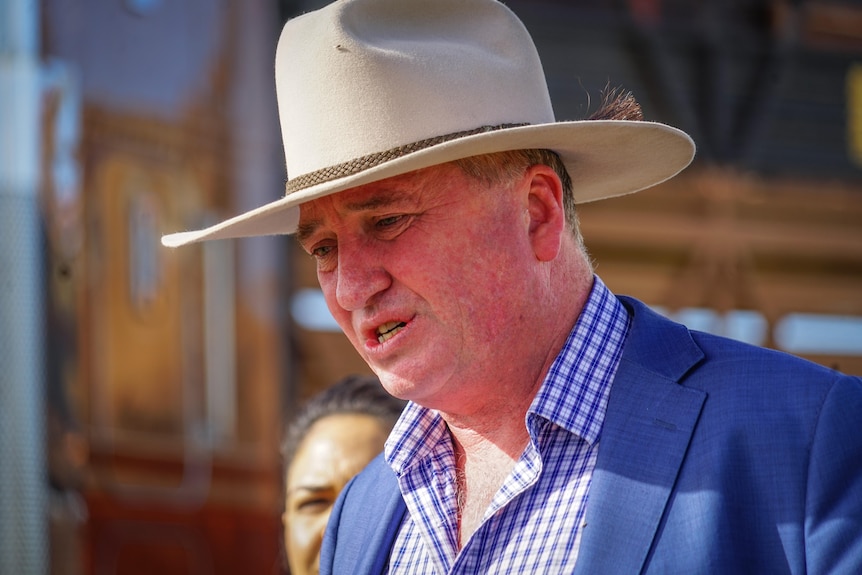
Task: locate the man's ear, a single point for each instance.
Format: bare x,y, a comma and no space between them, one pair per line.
545,210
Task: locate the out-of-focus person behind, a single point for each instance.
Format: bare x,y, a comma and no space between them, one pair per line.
335,434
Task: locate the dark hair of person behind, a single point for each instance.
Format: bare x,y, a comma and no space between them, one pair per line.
355,394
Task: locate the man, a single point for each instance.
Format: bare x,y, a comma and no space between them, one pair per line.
552,426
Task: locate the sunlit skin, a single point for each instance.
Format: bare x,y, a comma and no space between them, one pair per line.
335,449
476,275
484,283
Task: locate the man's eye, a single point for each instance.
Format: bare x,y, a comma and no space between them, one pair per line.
321,251
388,221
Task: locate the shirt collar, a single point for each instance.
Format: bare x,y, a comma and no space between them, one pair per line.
573,395
575,392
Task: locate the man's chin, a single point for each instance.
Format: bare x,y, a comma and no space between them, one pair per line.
398,388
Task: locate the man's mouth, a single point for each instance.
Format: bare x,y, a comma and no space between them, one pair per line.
389,329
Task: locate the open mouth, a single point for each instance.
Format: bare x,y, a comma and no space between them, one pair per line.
389,329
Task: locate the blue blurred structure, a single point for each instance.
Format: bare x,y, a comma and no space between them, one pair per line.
23,484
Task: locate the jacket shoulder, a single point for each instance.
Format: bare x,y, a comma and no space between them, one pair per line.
363,523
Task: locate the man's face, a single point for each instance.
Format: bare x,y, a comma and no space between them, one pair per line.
425,273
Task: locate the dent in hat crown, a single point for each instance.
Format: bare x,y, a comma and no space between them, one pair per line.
362,77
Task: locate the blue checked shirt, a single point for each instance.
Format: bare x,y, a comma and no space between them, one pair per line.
534,522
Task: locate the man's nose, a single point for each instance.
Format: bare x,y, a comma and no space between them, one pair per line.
361,275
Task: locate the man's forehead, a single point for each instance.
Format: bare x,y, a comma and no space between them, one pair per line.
375,195
368,197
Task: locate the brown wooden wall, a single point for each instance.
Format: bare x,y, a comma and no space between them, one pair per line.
171,366
724,240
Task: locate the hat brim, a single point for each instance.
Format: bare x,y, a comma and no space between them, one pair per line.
605,158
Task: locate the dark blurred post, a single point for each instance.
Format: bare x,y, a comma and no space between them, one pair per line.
23,488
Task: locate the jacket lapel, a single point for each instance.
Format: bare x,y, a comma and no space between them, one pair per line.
647,429
379,547
365,524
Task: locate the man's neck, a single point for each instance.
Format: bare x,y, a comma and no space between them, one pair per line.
482,464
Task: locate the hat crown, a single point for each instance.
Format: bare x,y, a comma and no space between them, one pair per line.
360,77
370,89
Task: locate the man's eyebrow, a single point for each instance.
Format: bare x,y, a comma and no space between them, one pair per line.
382,200
306,229
375,202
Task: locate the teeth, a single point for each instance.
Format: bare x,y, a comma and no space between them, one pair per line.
387,330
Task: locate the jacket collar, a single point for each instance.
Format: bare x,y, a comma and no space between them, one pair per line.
647,430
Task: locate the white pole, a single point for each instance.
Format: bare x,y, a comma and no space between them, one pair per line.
24,544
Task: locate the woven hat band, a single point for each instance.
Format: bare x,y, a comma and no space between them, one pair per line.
371,160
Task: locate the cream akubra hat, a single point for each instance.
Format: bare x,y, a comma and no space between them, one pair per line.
370,89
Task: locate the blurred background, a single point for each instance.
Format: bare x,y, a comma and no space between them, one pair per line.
144,391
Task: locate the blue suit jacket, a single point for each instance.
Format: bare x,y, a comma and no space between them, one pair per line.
715,457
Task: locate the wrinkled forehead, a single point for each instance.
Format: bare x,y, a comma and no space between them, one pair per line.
314,215
396,191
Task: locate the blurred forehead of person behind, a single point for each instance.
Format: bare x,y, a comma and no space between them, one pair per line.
333,436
